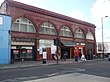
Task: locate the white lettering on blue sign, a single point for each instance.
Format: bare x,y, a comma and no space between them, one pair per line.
1,20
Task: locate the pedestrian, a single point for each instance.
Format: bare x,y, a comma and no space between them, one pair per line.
56,56
12,57
80,53
76,54
90,55
83,57
65,55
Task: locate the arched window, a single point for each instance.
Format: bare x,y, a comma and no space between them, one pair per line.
89,36
23,25
47,28
79,34
65,31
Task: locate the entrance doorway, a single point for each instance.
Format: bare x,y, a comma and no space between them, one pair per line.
69,50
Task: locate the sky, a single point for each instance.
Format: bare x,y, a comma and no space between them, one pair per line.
87,10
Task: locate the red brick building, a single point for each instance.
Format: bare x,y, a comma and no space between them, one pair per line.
34,28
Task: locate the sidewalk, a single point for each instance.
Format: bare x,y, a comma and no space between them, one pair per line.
24,64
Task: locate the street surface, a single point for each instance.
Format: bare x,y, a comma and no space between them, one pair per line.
89,71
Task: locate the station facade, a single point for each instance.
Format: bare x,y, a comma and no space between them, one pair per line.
34,28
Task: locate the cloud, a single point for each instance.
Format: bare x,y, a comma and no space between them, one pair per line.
1,1
78,15
101,9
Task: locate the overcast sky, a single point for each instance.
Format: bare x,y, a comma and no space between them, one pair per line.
87,10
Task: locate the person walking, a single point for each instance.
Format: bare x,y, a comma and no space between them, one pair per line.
90,55
80,53
76,54
12,57
65,55
57,56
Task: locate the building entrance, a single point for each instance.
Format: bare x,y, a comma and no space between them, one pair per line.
69,50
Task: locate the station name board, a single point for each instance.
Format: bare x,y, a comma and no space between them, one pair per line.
23,40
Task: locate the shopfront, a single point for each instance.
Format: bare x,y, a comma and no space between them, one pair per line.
49,46
23,49
68,46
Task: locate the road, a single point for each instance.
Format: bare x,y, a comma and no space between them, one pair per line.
98,70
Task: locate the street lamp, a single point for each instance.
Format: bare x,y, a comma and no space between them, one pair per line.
102,36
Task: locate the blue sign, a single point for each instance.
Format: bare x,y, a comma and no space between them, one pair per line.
5,39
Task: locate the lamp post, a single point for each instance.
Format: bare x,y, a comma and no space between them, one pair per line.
102,36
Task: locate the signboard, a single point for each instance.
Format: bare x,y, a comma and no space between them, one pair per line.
23,40
53,49
44,55
1,20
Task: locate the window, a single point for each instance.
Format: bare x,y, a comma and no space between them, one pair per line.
47,28
23,25
65,31
15,27
79,34
46,43
89,36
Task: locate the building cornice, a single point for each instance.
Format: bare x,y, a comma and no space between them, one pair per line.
46,12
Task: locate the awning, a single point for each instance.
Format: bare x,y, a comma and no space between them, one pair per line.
67,43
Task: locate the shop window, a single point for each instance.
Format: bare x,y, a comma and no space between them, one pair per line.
46,44
23,25
65,31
